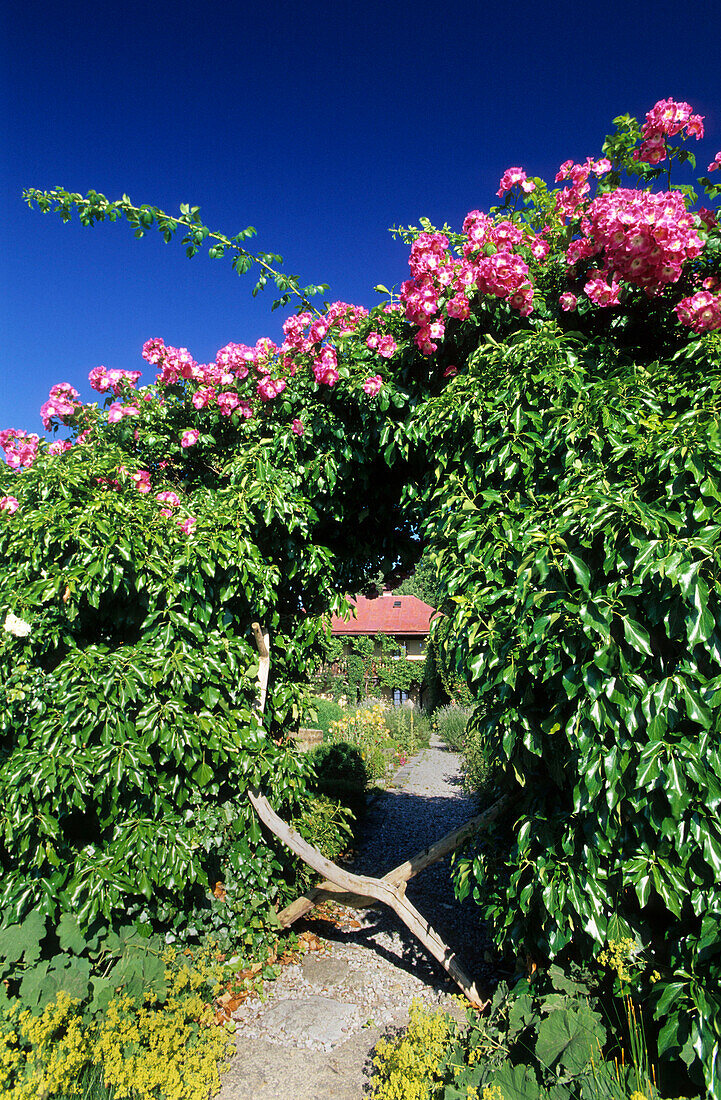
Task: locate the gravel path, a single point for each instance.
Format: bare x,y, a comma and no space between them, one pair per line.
314,1034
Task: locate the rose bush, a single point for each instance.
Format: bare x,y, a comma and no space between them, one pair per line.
540,402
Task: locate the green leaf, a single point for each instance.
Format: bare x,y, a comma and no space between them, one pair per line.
637,636
583,573
570,1038
22,941
516,1082
69,935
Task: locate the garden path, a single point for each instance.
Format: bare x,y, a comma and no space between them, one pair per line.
314,1034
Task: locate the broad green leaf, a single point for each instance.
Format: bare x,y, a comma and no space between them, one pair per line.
637,636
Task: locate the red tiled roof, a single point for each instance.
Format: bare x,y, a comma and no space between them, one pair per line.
387,614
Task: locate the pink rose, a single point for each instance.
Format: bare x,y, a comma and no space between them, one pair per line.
189,438
9,504
172,499
186,525
297,427
568,301
373,385
387,347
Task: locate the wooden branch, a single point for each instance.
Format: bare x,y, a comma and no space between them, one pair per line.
379,889
329,891
262,642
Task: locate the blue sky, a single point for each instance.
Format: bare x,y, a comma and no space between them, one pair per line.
321,124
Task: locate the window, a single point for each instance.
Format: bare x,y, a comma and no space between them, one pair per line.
400,697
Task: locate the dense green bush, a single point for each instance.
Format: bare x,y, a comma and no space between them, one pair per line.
585,495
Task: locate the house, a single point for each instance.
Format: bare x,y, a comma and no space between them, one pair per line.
404,619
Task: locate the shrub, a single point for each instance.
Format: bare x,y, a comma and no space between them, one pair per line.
478,765
407,1067
450,723
341,774
592,562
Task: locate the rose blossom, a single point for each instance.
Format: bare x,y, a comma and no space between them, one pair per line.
297,427
510,178
190,437
372,386
568,301
59,446
9,504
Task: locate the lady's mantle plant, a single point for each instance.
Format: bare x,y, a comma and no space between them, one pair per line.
541,397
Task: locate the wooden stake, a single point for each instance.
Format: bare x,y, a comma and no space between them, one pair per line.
328,891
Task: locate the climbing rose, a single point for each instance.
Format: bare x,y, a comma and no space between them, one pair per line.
372,386
116,412
701,312
59,446
601,293
510,178
297,427
189,438
568,301
8,504
62,403
186,525
168,498
268,388
387,347
715,163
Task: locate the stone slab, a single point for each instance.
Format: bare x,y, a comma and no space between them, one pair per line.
266,1071
322,1019
324,972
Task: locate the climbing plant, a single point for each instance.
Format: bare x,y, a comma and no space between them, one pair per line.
358,667
539,403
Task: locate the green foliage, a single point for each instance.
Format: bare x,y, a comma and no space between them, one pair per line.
340,773
579,510
544,1038
328,826
94,207
323,712
39,959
